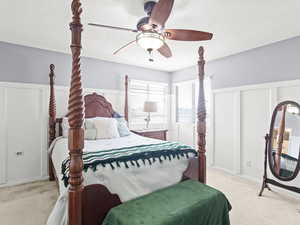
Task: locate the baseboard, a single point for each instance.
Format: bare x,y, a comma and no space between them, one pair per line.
24,181
223,169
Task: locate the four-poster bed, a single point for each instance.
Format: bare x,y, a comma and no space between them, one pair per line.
89,204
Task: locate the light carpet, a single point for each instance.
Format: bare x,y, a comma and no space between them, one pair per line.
31,204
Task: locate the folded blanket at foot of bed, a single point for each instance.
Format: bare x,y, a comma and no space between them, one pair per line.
131,156
186,203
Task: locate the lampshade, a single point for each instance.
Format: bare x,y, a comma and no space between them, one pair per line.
150,40
150,106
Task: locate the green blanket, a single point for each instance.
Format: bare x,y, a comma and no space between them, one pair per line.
186,203
131,156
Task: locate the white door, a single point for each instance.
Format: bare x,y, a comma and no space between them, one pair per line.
185,113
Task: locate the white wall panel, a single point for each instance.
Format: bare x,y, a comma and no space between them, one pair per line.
242,117
186,134
224,106
24,136
61,97
255,119
2,137
289,93
115,100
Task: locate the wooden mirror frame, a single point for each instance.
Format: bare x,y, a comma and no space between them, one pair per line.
274,115
268,158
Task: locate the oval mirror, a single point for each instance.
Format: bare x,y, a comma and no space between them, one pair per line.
284,142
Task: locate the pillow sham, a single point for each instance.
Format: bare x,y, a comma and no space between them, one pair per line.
107,128
122,127
90,131
89,123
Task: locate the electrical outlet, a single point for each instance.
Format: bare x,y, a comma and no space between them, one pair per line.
19,153
248,163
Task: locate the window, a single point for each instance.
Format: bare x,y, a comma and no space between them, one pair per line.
141,91
187,100
185,108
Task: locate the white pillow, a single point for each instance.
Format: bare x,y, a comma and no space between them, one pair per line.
89,123
90,133
107,128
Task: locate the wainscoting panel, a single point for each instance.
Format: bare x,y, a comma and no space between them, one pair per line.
254,125
186,134
24,138
61,96
224,130
2,137
289,93
242,117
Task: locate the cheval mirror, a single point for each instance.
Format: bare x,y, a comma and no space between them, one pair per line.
282,149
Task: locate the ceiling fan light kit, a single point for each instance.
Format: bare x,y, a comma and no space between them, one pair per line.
151,30
150,40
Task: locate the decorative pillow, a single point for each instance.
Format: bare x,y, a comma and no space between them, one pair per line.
107,128
122,127
116,115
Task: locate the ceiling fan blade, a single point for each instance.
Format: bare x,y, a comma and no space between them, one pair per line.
112,27
165,51
123,47
187,35
161,12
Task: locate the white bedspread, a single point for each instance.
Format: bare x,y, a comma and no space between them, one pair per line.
128,183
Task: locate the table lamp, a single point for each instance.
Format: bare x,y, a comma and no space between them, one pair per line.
149,107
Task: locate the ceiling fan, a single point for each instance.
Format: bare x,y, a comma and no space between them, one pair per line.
151,32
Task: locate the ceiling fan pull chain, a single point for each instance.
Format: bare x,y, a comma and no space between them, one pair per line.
150,50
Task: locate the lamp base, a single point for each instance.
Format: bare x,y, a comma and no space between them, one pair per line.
148,119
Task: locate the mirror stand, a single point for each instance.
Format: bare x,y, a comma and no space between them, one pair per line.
267,180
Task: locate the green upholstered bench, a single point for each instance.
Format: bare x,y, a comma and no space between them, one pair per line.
187,203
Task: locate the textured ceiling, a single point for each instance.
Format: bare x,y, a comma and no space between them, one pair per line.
237,26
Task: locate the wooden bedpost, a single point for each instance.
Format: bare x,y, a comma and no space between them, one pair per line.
201,115
75,118
126,99
52,118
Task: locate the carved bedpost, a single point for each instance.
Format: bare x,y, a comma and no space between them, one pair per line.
126,98
52,118
75,118
201,115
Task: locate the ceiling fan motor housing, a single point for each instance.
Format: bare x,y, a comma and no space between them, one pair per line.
142,22
148,7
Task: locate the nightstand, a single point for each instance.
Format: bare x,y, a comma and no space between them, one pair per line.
157,134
